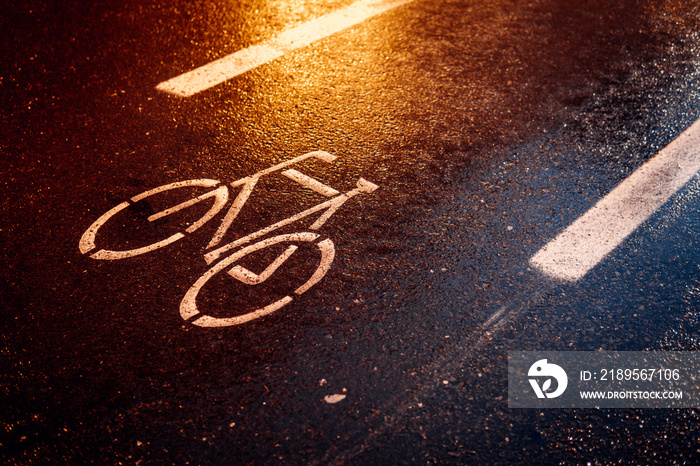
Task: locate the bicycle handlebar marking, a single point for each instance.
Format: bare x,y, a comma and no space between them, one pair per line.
310,183
189,310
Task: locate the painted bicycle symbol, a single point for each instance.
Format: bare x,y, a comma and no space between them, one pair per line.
241,247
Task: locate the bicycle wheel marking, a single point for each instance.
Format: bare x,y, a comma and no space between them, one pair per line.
327,256
204,182
87,241
189,310
209,321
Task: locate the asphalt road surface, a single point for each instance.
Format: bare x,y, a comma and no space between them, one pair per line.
375,327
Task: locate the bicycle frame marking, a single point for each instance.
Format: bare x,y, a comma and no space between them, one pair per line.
249,183
188,307
331,206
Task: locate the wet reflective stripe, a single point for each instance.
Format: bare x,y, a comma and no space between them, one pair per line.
600,230
223,69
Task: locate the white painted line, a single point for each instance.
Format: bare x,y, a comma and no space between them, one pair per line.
220,196
248,184
310,183
496,315
600,230
216,72
327,255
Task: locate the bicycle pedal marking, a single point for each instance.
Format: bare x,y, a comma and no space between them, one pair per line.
249,278
242,246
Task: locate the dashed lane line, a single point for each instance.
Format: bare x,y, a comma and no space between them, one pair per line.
599,231
223,69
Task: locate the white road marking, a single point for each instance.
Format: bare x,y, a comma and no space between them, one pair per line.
188,306
244,275
248,184
220,196
310,183
332,399
327,255
600,230
330,206
87,241
223,69
496,315
220,193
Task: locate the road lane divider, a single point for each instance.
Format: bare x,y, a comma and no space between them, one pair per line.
599,231
223,69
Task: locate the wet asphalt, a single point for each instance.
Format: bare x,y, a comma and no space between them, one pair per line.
488,127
